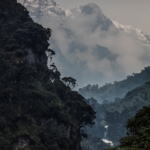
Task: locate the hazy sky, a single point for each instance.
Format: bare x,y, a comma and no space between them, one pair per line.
128,12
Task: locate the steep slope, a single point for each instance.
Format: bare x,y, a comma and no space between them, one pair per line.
110,92
38,109
99,18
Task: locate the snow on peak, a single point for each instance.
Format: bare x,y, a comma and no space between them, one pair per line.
131,30
122,27
46,7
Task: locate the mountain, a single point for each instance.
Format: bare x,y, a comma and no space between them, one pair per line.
96,50
38,109
112,92
91,45
44,7
99,18
38,8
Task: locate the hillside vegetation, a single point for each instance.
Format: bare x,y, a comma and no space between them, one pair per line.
38,110
118,89
138,135
118,113
115,115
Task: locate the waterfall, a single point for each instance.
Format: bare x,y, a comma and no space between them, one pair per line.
105,133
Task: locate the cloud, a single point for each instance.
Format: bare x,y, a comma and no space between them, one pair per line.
92,54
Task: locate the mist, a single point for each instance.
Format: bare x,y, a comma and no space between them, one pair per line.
91,49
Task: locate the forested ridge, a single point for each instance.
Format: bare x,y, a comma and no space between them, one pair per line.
118,89
38,109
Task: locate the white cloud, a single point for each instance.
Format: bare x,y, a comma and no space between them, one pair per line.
77,39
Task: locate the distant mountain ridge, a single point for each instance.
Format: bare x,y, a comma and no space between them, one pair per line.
119,89
52,8
116,114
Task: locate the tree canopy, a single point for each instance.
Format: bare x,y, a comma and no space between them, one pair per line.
37,109
138,135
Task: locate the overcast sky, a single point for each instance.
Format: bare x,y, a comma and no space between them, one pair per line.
128,12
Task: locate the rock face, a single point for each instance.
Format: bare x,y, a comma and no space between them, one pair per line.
100,18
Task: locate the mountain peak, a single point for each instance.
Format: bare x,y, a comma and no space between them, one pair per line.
92,5
90,8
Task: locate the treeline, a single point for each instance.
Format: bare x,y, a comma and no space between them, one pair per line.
118,89
138,135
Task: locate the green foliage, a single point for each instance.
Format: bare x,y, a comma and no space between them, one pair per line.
69,81
116,114
118,89
37,110
138,132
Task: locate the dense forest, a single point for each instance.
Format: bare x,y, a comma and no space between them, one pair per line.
138,135
115,115
110,92
38,109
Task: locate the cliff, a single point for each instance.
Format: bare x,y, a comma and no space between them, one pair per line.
38,110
